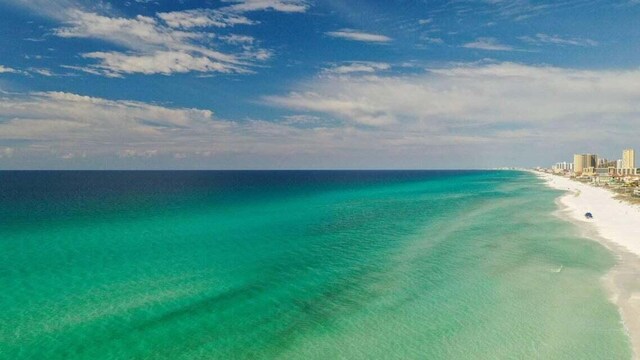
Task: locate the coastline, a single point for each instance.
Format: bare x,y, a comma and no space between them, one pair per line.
614,225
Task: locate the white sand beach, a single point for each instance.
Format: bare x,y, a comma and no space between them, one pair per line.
615,220
616,224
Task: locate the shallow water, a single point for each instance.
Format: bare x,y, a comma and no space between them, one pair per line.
438,265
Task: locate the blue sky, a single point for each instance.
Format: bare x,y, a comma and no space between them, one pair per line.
236,84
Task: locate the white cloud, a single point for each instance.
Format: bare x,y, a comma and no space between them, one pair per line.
473,99
432,40
358,67
141,32
359,110
161,62
28,71
68,156
302,119
70,126
55,9
276,5
462,113
4,69
540,39
42,71
203,18
177,36
487,43
154,48
74,126
126,153
523,9
355,35
6,152
238,39
231,15
88,123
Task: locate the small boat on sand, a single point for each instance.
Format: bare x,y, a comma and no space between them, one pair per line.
588,215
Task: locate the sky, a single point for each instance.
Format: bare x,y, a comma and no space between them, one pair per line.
316,84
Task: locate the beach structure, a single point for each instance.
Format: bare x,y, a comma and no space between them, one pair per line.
602,162
627,166
584,161
601,170
562,167
628,159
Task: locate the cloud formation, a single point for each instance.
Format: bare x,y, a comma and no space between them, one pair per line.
355,35
28,71
290,6
152,47
231,15
199,18
65,117
541,39
487,43
358,67
519,10
159,62
170,42
475,98
465,110
72,126
6,152
4,69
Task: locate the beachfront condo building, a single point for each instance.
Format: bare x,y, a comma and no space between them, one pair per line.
602,162
583,161
564,166
628,159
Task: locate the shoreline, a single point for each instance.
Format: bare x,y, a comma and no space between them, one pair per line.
615,225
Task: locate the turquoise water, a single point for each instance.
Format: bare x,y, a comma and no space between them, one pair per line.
297,265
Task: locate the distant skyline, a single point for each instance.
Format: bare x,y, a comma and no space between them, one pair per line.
302,84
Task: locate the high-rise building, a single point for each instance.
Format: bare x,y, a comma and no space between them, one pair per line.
628,159
619,164
584,161
563,166
578,165
602,162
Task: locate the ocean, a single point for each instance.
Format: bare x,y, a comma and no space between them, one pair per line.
297,265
